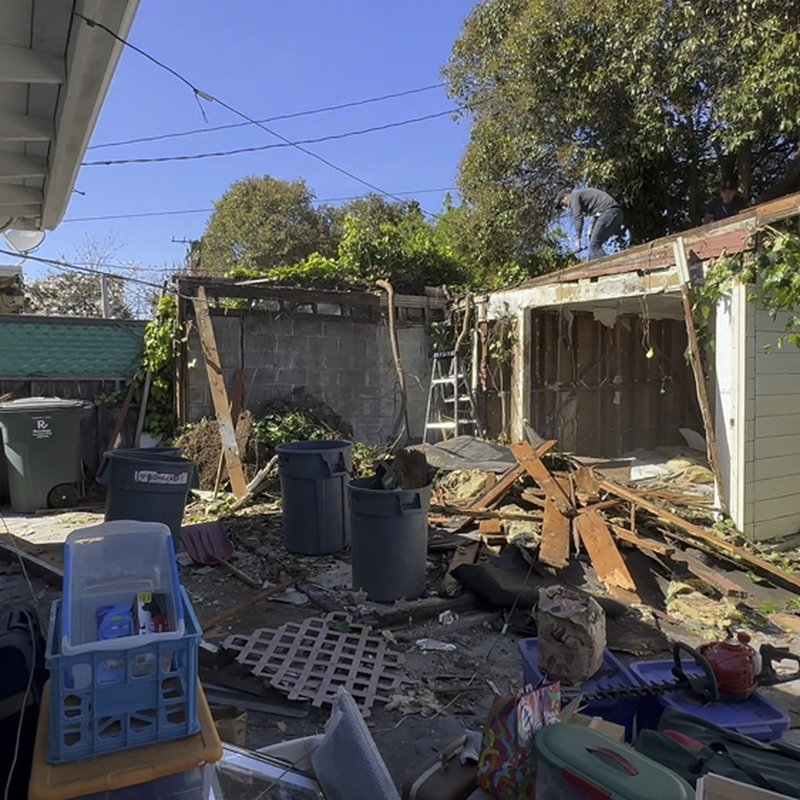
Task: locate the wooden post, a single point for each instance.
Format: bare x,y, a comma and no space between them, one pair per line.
148,379
219,395
697,362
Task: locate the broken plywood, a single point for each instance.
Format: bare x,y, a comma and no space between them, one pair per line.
555,537
605,557
587,489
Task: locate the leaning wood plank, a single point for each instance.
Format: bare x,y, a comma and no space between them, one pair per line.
715,543
251,601
697,362
237,399
587,489
120,423
717,580
555,536
499,490
641,542
219,395
533,465
599,544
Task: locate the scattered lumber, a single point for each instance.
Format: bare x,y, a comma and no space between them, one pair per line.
554,549
698,535
240,574
33,564
251,601
587,489
481,513
490,527
253,488
495,493
715,579
123,414
532,464
605,556
641,542
534,498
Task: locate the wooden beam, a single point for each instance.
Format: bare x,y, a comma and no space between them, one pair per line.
483,513
251,601
25,128
12,195
216,381
586,487
641,542
33,564
697,362
236,408
24,65
605,557
700,535
532,464
14,166
555,536
120,423
717,580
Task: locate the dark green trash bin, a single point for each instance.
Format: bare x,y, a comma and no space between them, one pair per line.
147,484
389,529
314,478
42,446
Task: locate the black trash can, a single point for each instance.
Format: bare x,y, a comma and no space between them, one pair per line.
389,531
147,484
314,478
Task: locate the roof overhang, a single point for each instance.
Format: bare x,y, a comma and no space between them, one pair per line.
55,71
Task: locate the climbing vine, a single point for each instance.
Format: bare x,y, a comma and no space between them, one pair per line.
158,358
773,272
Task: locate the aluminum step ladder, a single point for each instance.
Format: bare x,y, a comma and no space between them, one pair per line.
451,408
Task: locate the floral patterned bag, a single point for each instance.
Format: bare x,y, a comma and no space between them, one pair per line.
507,768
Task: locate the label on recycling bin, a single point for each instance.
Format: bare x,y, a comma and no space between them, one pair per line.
161,478
41,428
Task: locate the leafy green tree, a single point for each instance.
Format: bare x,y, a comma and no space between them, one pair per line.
262,223
652,101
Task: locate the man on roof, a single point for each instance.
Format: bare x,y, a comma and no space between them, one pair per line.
604,210
726,204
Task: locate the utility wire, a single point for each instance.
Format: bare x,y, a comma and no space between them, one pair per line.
311,112
175,212
201,95
274,146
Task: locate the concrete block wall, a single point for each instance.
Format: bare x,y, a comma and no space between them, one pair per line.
343,362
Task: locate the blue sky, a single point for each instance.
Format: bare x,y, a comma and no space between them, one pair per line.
265,58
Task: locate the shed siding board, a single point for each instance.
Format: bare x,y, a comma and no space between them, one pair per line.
773,474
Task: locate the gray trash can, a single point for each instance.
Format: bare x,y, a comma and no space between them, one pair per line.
42,446
147,484
389,530
314,478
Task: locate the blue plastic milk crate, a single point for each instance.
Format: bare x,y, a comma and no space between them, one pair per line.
108,700
611,675
755,717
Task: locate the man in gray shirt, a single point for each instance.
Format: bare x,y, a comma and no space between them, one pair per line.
606,213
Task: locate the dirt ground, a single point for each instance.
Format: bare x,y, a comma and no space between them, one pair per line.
485,658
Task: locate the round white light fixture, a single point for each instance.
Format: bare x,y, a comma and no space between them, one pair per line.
24,241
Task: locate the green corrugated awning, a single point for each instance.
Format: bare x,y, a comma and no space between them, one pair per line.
63,347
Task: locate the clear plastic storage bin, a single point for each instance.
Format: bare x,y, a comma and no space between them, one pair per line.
112,573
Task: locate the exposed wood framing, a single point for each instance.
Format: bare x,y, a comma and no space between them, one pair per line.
219,395
698,363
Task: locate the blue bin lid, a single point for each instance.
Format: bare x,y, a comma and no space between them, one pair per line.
612,674
738,715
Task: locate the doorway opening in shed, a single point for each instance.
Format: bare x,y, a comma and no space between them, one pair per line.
608,378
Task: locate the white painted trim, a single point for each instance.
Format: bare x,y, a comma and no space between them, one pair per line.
737,494
14,165
23,65
91,61
25,128
16,195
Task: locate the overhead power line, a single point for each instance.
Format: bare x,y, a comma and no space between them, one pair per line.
178,211
294,115
201,95
274,146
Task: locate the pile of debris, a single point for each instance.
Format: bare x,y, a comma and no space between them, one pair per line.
557,510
